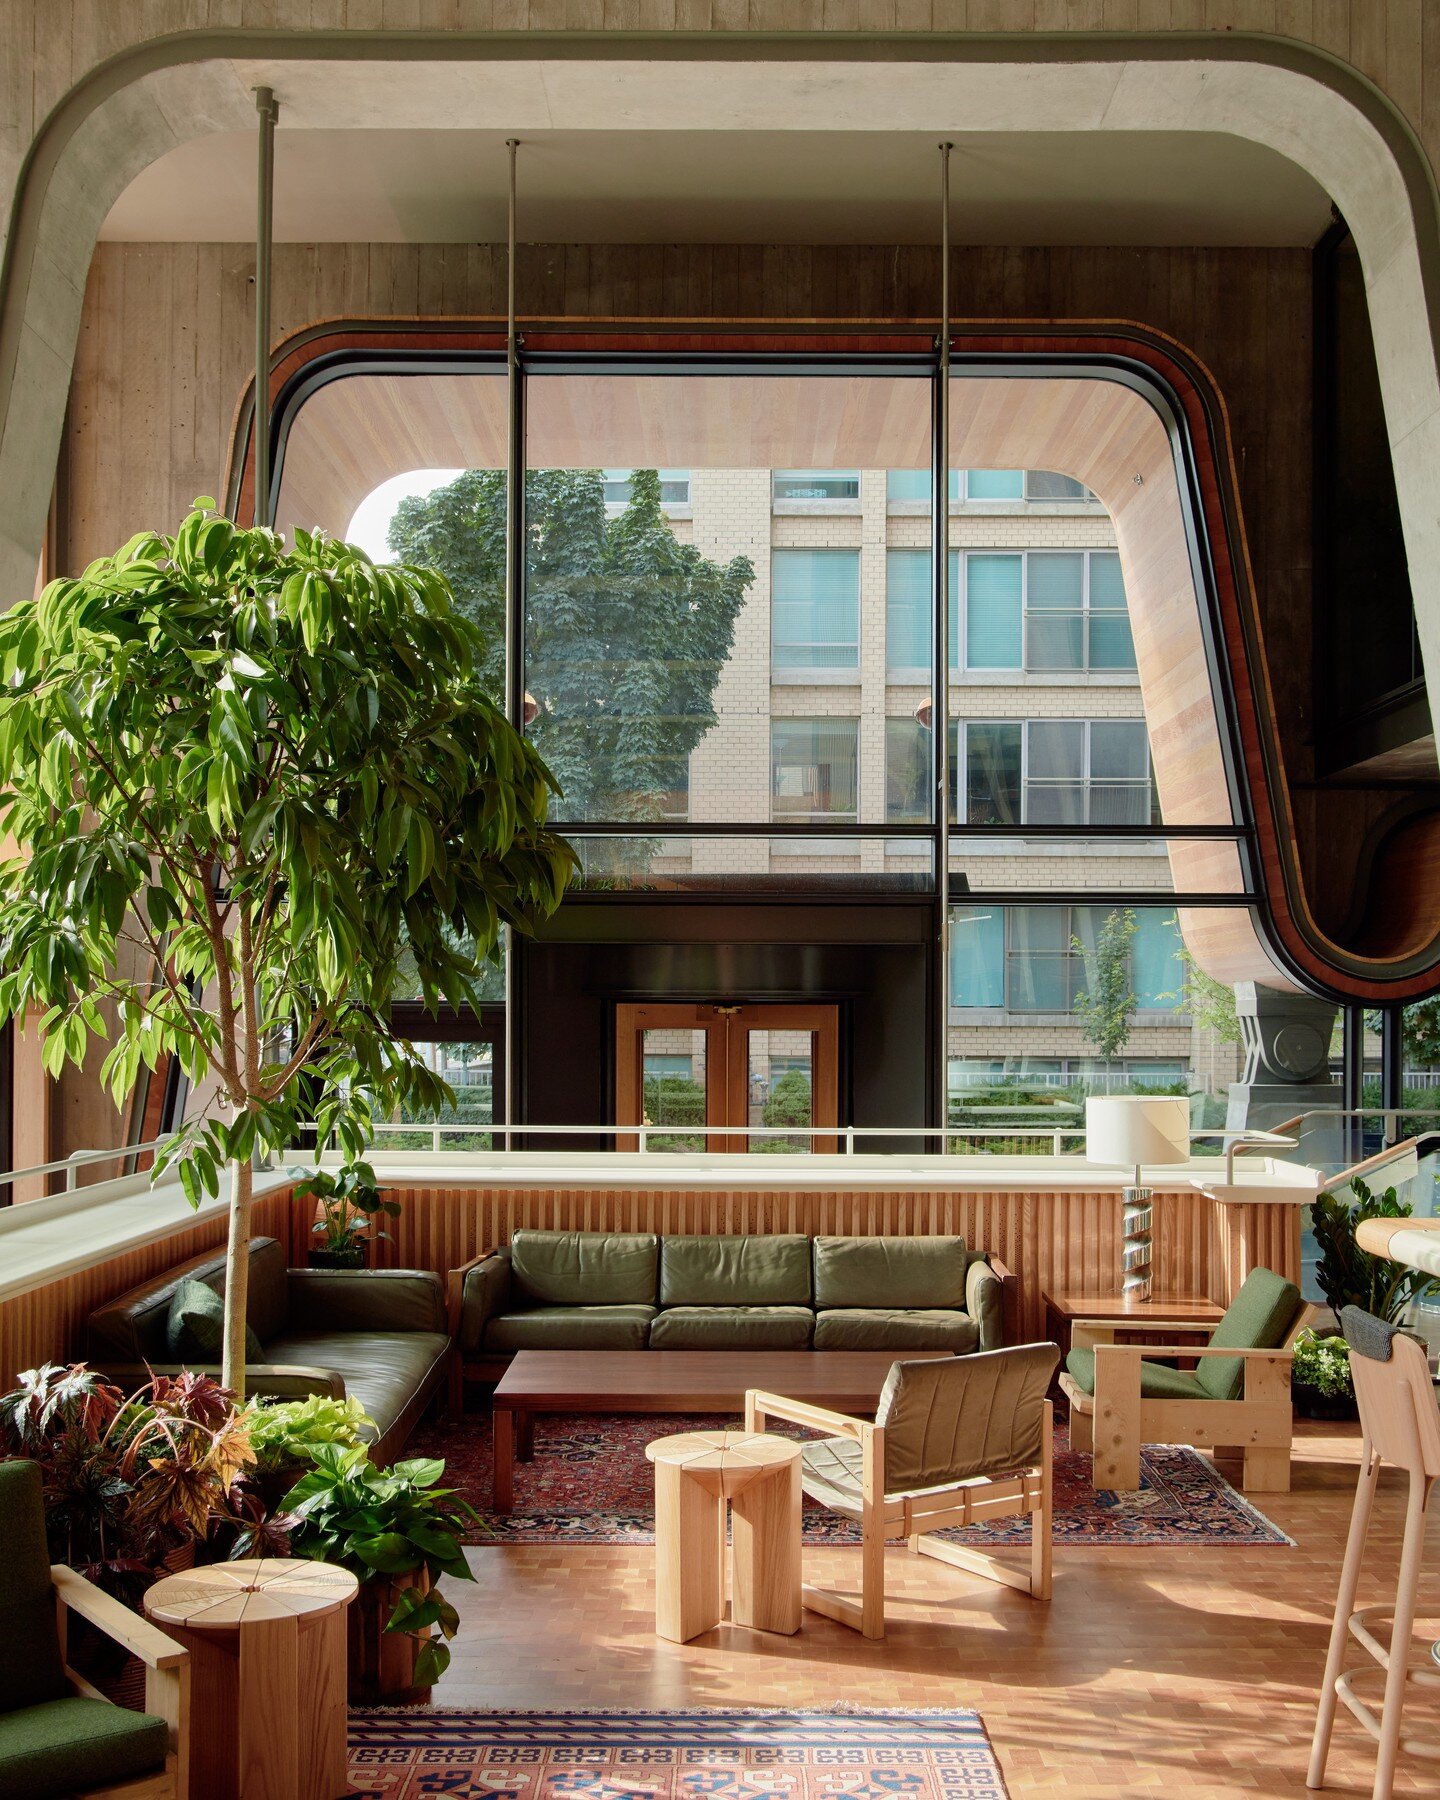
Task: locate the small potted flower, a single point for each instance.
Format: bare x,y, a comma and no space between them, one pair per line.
1320,1382
349,1201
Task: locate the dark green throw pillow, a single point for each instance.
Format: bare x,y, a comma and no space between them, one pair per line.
195,1329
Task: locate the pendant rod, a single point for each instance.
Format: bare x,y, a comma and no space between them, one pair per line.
940,686
268,109
514,599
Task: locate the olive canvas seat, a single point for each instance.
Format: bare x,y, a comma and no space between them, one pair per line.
59,1737
955,1441
1124,1395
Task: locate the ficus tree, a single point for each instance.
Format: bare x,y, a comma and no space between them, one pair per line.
245,779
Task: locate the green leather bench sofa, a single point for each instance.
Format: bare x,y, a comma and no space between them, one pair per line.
584,1290
378,1335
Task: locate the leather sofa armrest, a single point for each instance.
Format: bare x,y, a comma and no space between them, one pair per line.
366,1300
989,1300
265,1381
479,1291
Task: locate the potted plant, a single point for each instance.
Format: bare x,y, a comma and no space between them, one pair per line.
1320,1378
1347,1275
349,1202
245,777
399,1532
285,1434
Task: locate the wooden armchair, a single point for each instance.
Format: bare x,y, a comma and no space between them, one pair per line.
956,1441
1124,1395
58,1734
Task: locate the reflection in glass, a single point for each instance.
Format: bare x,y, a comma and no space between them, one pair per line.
780,1079
470,1071
673,1062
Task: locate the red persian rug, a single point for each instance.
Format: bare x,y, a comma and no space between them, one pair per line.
722,1755
590,1484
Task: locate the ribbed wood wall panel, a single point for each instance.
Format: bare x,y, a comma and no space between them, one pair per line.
48,1324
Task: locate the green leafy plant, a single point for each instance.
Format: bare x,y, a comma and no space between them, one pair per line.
1106,1005
350,1201
286,1432
1348,1275
380,1523
244,778
1323,1363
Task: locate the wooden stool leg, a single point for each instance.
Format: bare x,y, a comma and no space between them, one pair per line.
1406,1593
689,1595
766,1522
323,1655
268,1709
1344,1606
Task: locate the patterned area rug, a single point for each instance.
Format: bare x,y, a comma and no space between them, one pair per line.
590,1484
722,1755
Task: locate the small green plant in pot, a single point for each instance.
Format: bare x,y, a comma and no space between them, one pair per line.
1320,1378
349,1202
399,1532
285,1434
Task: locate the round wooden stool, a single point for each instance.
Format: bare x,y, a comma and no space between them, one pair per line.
267,1675
699,1475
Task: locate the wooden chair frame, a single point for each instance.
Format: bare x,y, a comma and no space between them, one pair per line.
973,1501
167,1680
1114,1422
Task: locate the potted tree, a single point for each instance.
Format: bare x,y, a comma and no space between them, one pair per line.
348,1202
1348,1275
245,777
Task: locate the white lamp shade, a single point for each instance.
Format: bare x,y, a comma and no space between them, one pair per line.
1132,1130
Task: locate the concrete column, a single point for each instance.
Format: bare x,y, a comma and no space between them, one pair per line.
1286,1038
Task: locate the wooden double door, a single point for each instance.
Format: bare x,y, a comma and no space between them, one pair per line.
762,1078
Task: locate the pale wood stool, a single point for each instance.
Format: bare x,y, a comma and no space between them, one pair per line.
699,1476
267,1675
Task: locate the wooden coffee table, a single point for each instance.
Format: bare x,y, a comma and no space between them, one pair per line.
671,1381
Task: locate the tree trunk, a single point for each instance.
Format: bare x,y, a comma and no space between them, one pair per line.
237,1278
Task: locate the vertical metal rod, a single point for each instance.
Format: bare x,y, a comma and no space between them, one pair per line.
268,109
1392,1067
940,686
514,593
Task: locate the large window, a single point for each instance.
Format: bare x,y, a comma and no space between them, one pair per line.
1075,614
674,487
1043,959
814,769
815,609
1034,486
815,484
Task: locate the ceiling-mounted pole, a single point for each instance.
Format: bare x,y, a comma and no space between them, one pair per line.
514,598
268,107
940,686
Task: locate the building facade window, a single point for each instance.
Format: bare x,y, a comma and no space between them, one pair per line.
814,769
1033,486
1075,612
815,484
1126,1074
815,609
1026,772
674,487
1037,959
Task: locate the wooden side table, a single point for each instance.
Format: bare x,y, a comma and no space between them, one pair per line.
267,1675
699,1476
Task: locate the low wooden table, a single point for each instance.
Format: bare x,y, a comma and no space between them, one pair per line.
699,1476
267,1675
671,1381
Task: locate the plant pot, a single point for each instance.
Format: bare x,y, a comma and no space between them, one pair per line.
1310,1403
381,1663
354,1258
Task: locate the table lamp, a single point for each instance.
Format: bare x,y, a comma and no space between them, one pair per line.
1130,1130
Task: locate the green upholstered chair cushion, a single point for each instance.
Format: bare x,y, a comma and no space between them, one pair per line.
1158,1381
70,1746
195,1328
585,1268
732,1328
380,1369
735,1271
1258,1318
570,1328
898,1272
896,1328
30,1666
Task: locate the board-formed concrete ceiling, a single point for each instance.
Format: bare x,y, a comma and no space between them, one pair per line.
665,186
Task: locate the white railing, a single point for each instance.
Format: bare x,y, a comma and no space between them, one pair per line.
79,1159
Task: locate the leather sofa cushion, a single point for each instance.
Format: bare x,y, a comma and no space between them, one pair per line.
735,1271
570,1328
380,1369
585,1268
899,1272
132,1328
1158,1381
77,1746
896,1328
732,1328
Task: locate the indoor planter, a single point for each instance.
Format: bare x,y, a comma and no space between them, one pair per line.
399,1532
1320,1381
1346,1274
349,1202
285,1434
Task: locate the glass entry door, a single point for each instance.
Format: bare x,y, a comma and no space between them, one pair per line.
763,1078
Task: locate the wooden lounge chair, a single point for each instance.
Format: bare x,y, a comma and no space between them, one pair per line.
958,1441
1124,1395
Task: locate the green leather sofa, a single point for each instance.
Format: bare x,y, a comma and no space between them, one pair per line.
582,1290
378,1335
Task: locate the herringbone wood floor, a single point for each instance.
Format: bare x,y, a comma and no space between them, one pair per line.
1186,1672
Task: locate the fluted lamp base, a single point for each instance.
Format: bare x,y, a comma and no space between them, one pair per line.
1137,1220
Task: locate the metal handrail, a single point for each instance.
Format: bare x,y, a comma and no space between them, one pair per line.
80,1159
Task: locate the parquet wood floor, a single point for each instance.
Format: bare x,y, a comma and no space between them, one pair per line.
1186,1672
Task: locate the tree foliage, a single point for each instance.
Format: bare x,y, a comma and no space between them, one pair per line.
244,778
627,629
1420,1032
1108,1001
